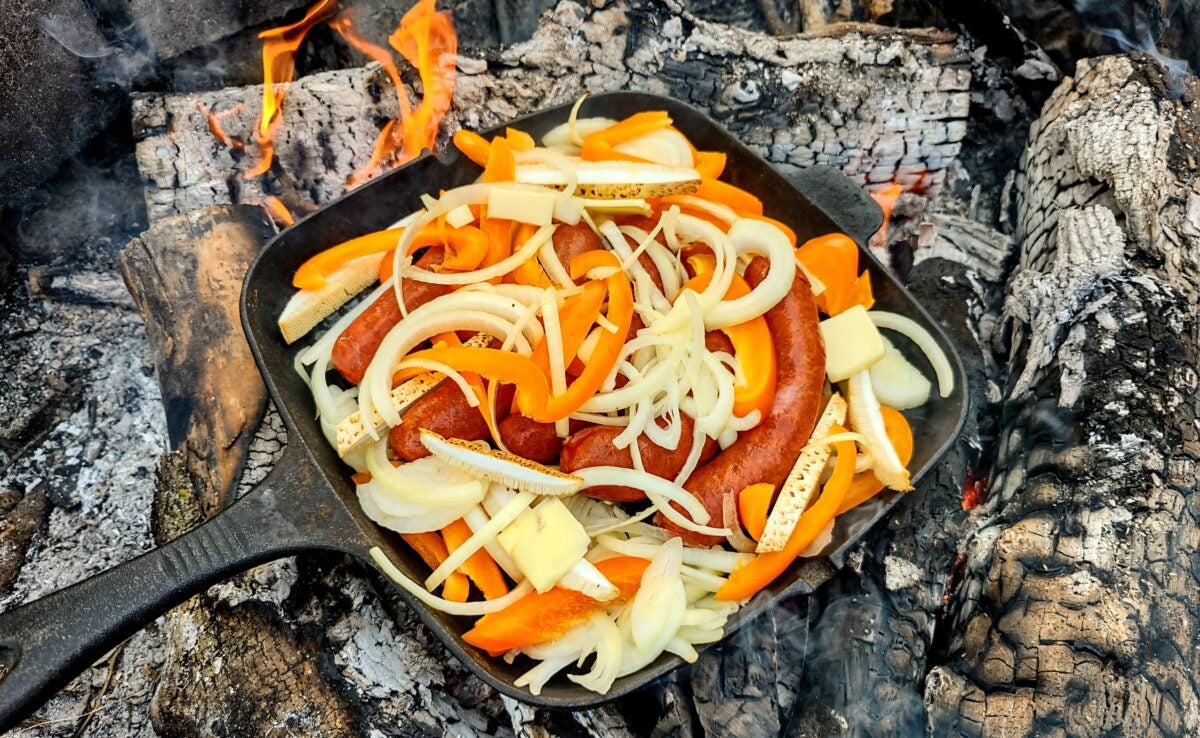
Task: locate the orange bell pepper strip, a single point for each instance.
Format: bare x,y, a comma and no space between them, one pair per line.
312,274
575,318
710,164
432,550
731,197
865,486
468,247
754,503
501,167
500,240
505,367
599,145
473,146
537,618
763,569
480,567
518,140
833,259
608,348
753,346
530,272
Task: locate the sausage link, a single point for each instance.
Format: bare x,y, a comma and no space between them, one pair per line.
443,410
594,447
354,349
767,452
528,438
572,240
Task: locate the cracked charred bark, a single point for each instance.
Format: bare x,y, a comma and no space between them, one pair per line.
1079,615
882,104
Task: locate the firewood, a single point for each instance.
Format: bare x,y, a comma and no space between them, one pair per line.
883,104
1077,614
185,274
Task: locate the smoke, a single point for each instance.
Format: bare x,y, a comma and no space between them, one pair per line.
1133,25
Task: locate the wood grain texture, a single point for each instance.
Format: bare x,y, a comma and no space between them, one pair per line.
1078,614
185,274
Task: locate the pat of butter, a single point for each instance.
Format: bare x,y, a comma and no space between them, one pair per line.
534,208
460,216
545,542
852,343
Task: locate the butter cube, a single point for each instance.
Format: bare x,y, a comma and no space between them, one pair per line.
545,542
460,216
852,343
534,208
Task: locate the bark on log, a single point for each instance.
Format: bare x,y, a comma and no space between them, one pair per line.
185,274
882,104
1078,614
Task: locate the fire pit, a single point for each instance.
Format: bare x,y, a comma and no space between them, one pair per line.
1043,205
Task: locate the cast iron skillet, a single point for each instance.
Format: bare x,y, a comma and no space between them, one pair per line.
307,503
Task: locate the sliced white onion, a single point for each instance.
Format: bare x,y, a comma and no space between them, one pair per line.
476,518
749,236
448,371
488,532
437,603
708,558
867,419
434,518
659,491
586,579
608,648
912,330
526,252
737,538
423,481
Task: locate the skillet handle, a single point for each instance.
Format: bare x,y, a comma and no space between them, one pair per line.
47,642
842,199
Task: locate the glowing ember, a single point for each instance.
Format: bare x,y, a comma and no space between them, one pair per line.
279,66
278,211
214,124
886,198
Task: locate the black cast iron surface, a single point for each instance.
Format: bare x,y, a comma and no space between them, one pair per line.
308,501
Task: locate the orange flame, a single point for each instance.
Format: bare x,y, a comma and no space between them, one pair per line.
427,40
278,211
214,124
279,67
886,199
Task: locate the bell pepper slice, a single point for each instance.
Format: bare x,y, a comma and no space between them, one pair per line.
479,566
710,164
576,318
537,618
473,146
501,167
505,367
531,271
833,259
865,486
731,197
432,550
754,504
753,346
763,569
468,246
519,140
791,235
313,273
599,145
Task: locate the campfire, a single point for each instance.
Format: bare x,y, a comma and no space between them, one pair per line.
1035,168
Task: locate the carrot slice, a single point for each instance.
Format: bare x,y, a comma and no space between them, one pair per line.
865,486
754,503
501,167
763,569
537,618
731,197
479,566
432,550
473,146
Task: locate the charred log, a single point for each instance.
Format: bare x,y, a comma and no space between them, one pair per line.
830,98
1077,615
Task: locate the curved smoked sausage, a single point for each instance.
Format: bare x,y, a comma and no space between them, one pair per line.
594,447
767,452
355,348
443,410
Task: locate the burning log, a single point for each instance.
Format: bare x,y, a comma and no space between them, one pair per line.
885,105
1077,614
